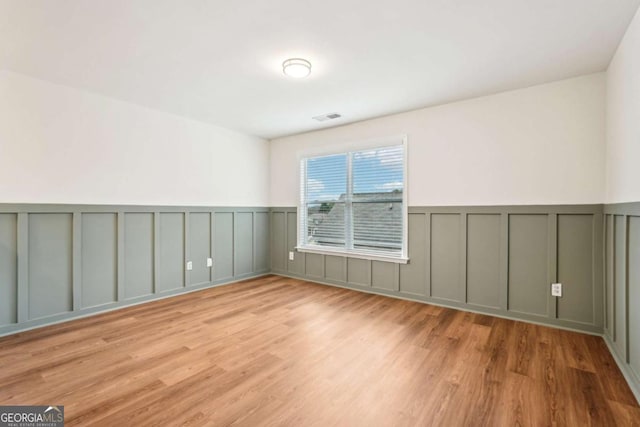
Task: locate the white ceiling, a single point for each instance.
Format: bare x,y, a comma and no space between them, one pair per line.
220,61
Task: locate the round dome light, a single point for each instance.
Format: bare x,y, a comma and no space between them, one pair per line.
296,67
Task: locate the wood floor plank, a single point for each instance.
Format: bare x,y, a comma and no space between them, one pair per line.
282,351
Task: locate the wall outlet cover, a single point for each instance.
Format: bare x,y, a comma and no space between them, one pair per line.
209,262
556,289
291,256
189,265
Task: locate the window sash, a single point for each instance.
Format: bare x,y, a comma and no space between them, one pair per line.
388,244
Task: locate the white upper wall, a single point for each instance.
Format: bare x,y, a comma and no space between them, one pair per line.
623,119
539,145
62,145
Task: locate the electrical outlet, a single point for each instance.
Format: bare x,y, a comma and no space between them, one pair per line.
189,265
291,256
556,289
209,262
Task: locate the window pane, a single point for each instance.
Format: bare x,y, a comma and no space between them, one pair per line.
325,224
378,171
326,178
377,226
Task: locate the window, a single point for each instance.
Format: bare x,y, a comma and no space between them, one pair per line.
354,203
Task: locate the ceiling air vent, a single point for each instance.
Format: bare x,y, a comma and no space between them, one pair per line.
326,117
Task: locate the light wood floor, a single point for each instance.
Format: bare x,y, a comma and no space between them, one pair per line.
278,351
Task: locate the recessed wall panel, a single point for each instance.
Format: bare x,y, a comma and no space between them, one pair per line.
384,275
528,257
172,262
261,241
359,271
199,247
335,268
634,294
243,243
314,265
483,260
608,318
8,269
619,284
223,244
50,264
278,242
575,267
138,254
297,265
445,256
99,259
412,274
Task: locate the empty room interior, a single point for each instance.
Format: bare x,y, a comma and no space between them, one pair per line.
349,213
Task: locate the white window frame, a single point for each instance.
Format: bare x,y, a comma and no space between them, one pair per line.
402,257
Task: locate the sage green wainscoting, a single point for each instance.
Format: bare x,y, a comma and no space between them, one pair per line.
498,260
622,288
59,262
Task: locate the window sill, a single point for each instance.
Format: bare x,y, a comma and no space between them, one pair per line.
353,254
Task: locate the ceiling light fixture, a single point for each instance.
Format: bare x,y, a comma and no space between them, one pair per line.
296,67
